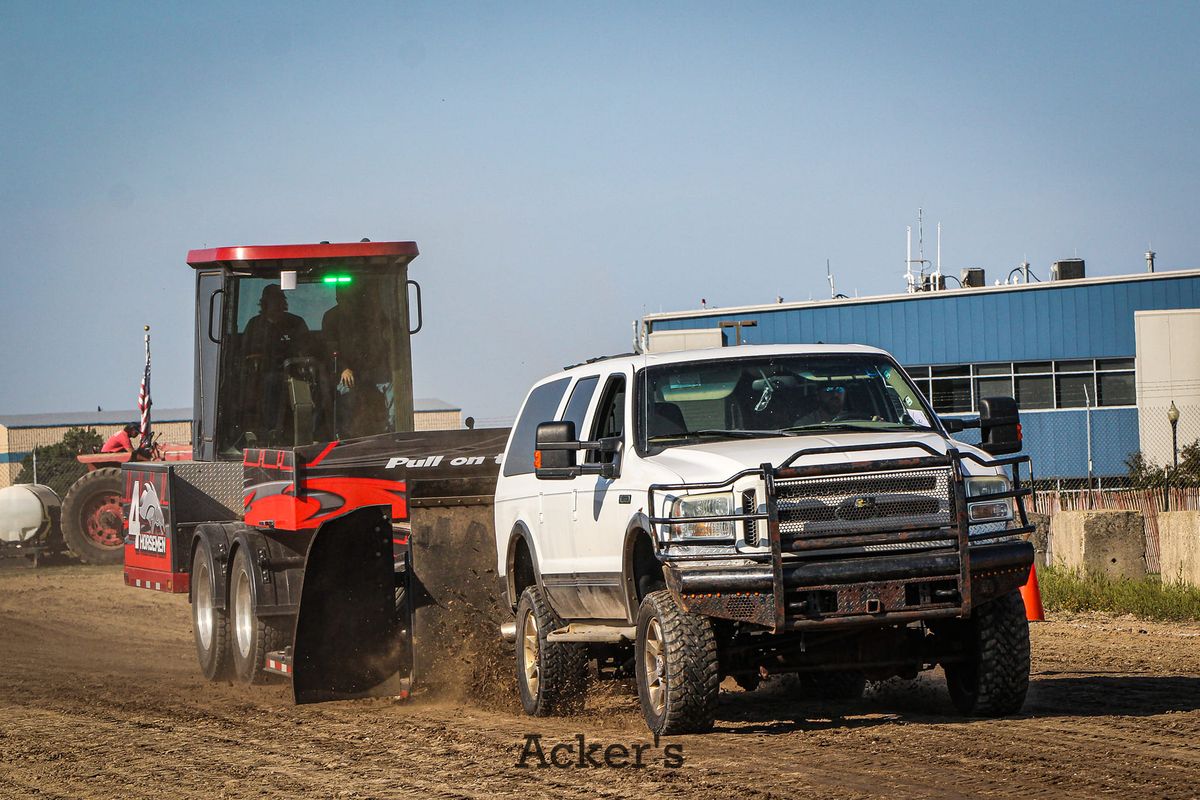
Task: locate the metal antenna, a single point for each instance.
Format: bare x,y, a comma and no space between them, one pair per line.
829,277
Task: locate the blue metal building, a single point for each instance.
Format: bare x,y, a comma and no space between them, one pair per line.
1059,347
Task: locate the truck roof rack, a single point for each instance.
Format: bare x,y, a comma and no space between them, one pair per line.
598,358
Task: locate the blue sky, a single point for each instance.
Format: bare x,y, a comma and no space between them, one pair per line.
564,167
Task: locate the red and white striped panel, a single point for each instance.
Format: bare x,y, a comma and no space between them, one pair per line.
282,667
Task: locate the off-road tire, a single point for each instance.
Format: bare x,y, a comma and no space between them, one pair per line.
216,660
250,638
685,667
994,678
551,676
840,685
80,499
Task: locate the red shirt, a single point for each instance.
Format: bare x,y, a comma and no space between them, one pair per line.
118,443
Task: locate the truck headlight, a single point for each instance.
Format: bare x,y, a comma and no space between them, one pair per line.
982,509
702,505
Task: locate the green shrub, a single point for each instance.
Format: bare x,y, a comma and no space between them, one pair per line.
1069,590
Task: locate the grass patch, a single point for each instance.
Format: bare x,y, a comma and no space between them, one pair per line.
1069,590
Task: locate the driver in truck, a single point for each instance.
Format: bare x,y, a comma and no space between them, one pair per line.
830,404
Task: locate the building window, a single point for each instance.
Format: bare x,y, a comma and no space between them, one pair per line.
1035,391
1036,385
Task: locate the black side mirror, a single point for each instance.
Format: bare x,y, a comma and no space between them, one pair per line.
1000,425
556,448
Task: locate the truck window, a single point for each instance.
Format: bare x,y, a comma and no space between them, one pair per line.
610,418
790,394
581,398
540,407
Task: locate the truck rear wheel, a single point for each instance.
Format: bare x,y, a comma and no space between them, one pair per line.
678,673
92,521
251,638
210,625
551,676
994,677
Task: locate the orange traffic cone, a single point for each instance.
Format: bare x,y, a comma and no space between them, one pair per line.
1032,596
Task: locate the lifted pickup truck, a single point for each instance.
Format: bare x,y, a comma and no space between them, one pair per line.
748,511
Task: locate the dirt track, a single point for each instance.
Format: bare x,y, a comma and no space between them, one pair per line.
100,697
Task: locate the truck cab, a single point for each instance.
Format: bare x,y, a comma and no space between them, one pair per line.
745,511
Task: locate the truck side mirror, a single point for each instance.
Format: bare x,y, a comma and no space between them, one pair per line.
1000,425
556,449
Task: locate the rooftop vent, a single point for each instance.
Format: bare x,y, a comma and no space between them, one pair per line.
1069,269
972,277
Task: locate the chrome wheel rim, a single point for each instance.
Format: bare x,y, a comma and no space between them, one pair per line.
530,647
654,666
244,615
203,605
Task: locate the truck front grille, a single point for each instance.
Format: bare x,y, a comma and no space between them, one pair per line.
848,515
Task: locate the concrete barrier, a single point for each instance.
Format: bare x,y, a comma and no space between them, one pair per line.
1110,543
1179,547
1040,538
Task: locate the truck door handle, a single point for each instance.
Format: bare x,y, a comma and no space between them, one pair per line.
211,301
420,316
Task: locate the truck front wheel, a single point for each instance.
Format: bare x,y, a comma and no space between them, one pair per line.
678,673
551,676
993,678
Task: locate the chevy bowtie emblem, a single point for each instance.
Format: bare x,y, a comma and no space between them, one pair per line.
864,502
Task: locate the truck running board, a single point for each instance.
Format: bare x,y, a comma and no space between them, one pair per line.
580,632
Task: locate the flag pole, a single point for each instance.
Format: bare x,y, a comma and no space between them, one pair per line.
144,394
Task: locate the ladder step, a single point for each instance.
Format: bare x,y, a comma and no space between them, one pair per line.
580,632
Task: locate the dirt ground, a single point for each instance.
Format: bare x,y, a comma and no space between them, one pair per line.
100,697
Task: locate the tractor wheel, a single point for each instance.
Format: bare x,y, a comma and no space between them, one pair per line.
678,673
551,676
251,638
210,625
994,677
92,522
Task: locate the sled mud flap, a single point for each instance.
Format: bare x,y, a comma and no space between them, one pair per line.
347,643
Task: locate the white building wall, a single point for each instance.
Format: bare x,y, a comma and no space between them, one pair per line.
1168,370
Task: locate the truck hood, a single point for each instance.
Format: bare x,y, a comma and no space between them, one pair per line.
715,461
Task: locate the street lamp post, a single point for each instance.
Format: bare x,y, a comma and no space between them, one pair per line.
1173,418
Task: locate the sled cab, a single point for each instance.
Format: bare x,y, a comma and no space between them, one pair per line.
299,344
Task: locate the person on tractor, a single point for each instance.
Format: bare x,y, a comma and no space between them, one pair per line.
122,440
363,398
272,337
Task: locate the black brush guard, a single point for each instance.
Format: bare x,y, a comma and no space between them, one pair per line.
807,580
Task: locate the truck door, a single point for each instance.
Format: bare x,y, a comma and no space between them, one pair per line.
603,509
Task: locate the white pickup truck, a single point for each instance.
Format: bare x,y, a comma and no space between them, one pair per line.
747,511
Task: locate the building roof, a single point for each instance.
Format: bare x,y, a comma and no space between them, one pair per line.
1064,320
66,419
1036,286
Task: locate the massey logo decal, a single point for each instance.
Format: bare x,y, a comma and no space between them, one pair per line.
147,525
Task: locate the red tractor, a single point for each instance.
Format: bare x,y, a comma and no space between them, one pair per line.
93,524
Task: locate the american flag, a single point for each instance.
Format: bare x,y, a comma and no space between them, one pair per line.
144,393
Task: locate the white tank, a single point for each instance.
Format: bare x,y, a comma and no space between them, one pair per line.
26,512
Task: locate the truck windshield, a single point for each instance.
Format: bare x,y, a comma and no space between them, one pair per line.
778,395
314,363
